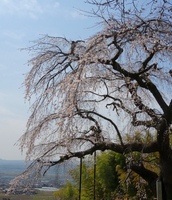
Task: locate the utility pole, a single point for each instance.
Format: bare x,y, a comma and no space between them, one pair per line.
80,179
95,175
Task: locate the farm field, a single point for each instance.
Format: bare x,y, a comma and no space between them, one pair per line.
39,196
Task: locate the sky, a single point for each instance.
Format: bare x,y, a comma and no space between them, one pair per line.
21,22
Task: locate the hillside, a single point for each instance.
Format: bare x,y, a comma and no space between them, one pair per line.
55,177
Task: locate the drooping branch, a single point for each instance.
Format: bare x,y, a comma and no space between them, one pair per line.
137,99
117,103
82,111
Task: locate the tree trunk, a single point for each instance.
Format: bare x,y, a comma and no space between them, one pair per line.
166,178
165,151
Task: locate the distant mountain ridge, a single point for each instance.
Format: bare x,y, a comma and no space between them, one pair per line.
12,166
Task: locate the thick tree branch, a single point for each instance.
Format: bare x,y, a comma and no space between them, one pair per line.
147,84
150,176
102,146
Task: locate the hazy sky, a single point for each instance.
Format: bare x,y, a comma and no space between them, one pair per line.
22,21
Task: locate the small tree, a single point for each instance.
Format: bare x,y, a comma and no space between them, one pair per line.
89,93
68,192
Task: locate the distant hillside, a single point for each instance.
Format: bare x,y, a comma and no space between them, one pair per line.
56,176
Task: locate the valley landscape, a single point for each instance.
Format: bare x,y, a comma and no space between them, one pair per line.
45,186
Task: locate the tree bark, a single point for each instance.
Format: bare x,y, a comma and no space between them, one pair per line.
166,178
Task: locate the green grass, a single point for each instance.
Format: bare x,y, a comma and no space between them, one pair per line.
40,196
44,196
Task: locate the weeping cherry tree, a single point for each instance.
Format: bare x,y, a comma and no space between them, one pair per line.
87,95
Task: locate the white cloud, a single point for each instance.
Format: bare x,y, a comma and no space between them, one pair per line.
37,8
31,8
75,14
15,35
